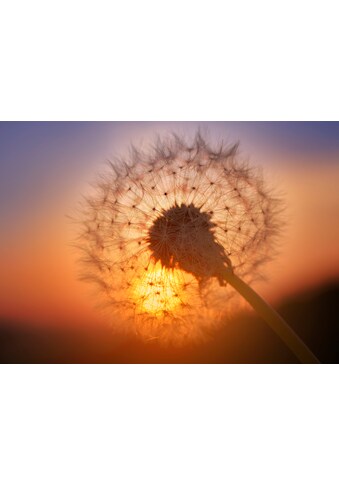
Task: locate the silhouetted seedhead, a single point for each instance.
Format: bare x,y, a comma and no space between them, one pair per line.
183,237
164,224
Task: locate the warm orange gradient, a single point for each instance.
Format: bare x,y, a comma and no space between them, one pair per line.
38,265
39,270
308,252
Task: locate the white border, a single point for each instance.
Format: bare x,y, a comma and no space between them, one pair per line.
178,60
153,425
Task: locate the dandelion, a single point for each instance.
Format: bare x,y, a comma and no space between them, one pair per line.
167,229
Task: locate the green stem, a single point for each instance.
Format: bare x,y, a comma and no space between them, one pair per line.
275,321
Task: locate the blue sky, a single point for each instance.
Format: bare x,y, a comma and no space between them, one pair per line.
41,160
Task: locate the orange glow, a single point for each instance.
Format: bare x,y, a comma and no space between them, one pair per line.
158,291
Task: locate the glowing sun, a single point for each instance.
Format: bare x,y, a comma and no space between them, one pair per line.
158,291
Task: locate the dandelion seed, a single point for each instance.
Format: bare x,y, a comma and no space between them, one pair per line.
168,229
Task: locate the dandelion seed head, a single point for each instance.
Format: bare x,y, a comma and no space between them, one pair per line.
163,225
182,237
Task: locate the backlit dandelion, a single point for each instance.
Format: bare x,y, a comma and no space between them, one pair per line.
168,228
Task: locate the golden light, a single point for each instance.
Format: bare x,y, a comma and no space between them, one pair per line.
159,290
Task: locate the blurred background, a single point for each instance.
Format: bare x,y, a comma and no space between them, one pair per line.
47,315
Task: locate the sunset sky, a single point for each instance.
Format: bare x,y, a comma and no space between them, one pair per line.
45,167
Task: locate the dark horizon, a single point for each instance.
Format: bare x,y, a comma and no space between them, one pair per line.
246,339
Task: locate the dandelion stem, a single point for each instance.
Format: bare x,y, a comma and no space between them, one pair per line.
274,320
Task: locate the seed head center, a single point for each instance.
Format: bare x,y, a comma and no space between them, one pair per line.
183,236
